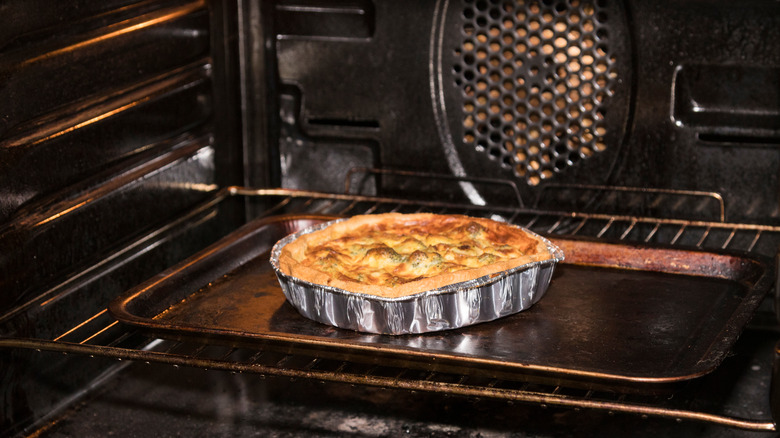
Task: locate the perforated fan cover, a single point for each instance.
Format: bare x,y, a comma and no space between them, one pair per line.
533,83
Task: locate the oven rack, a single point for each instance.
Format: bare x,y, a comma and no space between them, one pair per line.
268,362
703,234
102,336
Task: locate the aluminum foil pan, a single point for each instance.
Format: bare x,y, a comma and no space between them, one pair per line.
457,305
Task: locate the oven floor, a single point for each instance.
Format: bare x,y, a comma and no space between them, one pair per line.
153,400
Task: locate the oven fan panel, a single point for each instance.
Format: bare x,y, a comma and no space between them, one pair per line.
526,91
536,87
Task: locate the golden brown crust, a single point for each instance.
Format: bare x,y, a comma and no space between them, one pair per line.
394,255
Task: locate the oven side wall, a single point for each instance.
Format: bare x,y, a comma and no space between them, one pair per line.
116,119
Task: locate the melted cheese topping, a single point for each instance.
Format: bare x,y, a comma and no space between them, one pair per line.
394,253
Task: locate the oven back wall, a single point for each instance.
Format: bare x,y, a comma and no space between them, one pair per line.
107,132
664,94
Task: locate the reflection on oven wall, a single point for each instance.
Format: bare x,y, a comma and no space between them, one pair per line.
667,95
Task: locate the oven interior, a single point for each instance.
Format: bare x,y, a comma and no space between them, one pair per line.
134,134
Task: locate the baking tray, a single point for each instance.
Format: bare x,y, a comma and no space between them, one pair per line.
621,316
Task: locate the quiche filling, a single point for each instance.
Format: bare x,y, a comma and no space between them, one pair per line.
396,254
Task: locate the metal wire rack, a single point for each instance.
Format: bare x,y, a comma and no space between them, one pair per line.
102,336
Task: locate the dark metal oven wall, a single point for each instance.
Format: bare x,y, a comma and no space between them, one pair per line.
107,131
672,95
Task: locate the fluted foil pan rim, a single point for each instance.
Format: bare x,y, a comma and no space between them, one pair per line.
300,293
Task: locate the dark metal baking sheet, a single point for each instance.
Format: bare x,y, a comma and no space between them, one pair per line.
615,314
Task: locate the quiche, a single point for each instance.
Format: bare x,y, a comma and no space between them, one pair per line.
397,255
